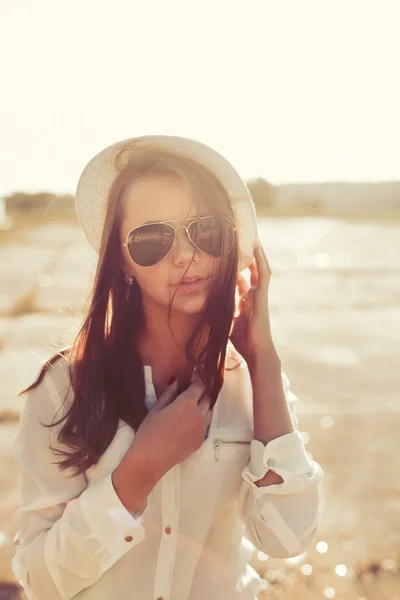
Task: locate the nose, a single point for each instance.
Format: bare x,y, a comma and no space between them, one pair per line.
183,249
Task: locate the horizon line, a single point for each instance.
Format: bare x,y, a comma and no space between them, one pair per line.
246,180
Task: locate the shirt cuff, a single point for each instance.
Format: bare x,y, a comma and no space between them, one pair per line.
111,523
286,456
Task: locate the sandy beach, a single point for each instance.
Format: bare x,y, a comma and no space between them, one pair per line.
335,309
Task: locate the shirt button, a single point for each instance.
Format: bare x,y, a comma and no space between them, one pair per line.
271,462
128,538
168,530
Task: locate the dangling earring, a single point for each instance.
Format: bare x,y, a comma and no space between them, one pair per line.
129,279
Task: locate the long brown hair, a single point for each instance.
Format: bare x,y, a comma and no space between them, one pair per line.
105,368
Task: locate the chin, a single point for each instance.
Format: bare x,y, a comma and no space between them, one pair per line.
191,304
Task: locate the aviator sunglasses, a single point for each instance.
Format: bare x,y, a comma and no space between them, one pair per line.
149,244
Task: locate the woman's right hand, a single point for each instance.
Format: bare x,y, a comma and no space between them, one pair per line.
174,428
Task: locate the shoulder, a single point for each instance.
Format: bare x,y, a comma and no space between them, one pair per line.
51,385
45,403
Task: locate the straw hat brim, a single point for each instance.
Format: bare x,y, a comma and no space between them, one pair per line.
97,177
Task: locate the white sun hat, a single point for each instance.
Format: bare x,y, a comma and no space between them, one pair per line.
97,177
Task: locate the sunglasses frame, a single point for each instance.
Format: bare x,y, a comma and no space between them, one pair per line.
125,244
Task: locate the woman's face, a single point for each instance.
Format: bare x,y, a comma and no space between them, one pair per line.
167,198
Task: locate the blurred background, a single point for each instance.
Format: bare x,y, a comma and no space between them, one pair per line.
303,98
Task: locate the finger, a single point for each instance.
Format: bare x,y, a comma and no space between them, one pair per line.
242,285
261,257
263,267
254,273
196,387
208,418
168,396
265,258
246,304
204,403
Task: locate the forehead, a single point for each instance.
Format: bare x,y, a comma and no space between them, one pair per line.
161,198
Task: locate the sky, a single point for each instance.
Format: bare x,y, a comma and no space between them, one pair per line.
287,90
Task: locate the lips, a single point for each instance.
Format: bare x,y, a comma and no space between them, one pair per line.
191,279
185,281
194,286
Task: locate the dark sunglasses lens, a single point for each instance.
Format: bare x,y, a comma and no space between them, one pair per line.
149,244
208,235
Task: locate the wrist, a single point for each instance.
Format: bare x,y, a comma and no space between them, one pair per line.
264,359
133,482
142,470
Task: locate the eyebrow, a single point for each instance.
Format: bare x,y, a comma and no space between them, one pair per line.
174,220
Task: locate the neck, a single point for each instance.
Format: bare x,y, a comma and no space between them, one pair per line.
163,344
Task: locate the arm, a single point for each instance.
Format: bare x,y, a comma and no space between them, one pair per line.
272,413
69,533
280,496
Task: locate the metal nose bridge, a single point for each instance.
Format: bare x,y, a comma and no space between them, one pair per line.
185,227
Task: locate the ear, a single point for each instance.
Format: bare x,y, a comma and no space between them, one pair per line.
124,269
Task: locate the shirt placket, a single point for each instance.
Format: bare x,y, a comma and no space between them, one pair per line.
170,486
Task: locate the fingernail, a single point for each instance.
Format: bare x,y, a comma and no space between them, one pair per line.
172,380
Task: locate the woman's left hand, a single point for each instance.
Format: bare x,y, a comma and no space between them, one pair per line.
252,328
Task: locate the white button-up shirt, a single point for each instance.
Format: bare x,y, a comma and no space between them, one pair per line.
199,526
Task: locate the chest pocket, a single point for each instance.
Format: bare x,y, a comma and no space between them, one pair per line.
221,447
231,430
223,458
225,448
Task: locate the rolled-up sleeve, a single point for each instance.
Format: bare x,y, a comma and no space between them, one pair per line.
69,533
282,519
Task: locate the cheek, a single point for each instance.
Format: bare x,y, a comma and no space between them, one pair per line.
154,281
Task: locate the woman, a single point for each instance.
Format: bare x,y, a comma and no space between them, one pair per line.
159,450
